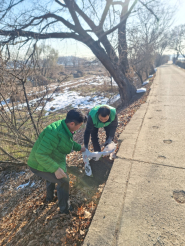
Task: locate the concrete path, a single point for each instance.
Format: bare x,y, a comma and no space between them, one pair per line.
143,202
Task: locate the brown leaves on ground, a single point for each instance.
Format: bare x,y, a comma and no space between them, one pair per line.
31,218
28,220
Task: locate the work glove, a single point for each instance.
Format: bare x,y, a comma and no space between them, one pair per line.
108,141
83,149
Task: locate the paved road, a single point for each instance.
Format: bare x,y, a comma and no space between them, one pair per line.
142,202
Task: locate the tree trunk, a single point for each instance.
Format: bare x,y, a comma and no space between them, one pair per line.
126,87
111,81
122,47
146,72
122,41
152,71
140,77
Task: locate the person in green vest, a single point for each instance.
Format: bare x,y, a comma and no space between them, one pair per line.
48,156
100,116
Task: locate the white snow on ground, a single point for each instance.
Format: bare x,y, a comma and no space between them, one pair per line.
65,98
146,82
4,103
150,76
73,98
95,80
141,90
115,98
21,173
24,185
32,184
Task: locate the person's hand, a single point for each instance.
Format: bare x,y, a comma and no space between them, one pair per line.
109,140
83,149
60,174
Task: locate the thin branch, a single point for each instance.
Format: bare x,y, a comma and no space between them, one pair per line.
50,15
106,9
15,143
49,98
61,4
97,30
5,102
145,5
13,163
20,33
93,9
8,51
14,130
85,17
4,151
15,138
116,27
48,25
9,8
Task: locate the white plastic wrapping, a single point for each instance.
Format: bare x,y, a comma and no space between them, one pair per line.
87,155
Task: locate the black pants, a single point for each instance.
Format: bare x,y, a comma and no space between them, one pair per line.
62,188
94,137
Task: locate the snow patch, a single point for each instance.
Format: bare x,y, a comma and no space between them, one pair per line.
141,90
32,184
23,185
66,97
146,82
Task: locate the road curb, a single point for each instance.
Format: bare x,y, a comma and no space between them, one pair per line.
106,221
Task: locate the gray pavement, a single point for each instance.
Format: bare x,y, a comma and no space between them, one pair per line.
142,202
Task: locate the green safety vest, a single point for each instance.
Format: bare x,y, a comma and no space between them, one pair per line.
94,115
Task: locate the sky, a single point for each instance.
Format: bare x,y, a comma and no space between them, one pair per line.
71,47
180,15
68,47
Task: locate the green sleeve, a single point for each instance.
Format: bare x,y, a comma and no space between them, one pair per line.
45,148
76,146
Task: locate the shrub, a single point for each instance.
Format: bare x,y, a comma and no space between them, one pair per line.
180,63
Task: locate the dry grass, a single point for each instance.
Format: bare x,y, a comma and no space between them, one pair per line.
104,89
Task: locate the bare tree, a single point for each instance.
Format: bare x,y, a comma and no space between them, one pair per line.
64,60
177,40
21,107
146,37
91,22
